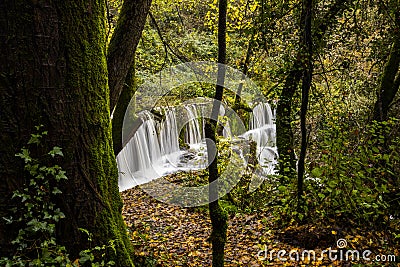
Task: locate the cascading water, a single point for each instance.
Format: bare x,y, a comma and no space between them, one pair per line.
154,151
261,115
141,152
169,133
193,135
263,132
194,132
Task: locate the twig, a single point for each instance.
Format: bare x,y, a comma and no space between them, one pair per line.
180,57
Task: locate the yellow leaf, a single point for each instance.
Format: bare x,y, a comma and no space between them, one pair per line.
194,253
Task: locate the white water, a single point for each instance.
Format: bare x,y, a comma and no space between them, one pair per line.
263,132
193,135
168,133
154,150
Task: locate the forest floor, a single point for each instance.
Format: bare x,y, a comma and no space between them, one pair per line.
169,235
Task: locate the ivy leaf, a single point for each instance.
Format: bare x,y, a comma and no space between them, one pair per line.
317,172
56,151
24,155
56,191
61,176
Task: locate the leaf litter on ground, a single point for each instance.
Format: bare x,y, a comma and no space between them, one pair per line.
176,236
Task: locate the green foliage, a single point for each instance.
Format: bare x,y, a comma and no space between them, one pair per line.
354,180
37,215
243,197
351,179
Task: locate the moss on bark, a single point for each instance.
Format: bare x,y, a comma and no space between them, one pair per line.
54,72
119,112
88,79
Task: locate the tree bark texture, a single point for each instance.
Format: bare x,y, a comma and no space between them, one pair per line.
390,81
217,214
53,72
123,45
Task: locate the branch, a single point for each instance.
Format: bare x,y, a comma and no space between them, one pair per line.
166,44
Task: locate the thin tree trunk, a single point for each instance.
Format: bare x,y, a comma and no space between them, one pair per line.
306,85
217,214
284,116
389,85
53,72
245,70
119,113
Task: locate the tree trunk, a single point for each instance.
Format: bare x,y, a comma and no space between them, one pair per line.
389,85
217,214
124,41
119,113
53,72
284,116
306,84
246,63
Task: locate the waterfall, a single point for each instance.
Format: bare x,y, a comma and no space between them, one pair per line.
195,130
263,136
193,135
169,133
142,151
154,151
227,130
262,127
145,147
263,132
261,115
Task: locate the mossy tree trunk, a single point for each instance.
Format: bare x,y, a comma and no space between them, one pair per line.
124,99
284,118
120,62
217,214
53,71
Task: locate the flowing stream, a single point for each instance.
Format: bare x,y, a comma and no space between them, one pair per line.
154,149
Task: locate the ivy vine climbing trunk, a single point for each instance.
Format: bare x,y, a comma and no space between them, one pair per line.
53,71
217,214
